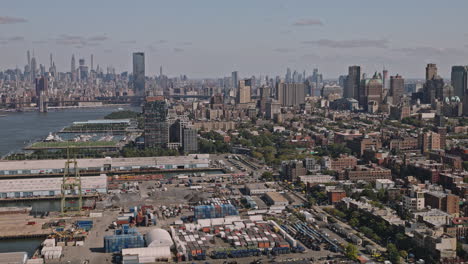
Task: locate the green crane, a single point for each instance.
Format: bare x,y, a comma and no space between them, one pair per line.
71,187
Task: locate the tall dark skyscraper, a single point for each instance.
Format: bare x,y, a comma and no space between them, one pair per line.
83,71
351,89
235,79
397,87
33,68
139,73
156,126
431,71
459,78
189,140
433,88
73,68
41,86
28,55
73,64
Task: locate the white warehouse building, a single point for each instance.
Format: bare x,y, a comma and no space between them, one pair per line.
31,167
32,187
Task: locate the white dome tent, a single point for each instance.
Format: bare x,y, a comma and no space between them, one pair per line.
159,238
159,243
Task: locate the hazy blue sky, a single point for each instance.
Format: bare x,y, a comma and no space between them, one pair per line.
214,37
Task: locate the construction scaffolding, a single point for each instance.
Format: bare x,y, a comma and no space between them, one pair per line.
71,187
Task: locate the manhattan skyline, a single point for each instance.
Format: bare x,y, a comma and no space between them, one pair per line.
210,38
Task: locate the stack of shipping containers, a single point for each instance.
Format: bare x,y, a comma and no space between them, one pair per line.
123,238
214,211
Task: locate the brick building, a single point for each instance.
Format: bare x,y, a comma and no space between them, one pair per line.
360,144
446,202
340,163
366,173
291,170
335,196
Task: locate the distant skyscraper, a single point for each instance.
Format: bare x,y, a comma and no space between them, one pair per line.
434,86
433,89
431,71
41,86
244,91
33,68
397,87
371,90
342,81
385,79
73,68
460,81
28,55
73,64
351,89
83,71
92,62
288,76
295,77
139,73
264,97
235,79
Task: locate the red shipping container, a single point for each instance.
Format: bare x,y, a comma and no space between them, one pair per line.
122,222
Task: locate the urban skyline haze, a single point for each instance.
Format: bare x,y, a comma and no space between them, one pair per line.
213,38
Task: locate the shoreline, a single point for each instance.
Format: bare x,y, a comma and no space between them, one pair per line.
35,109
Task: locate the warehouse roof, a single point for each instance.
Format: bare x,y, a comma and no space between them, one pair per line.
13,257
276,197
99,163
49,184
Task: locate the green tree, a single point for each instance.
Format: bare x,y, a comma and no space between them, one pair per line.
354,222
403,254
267,176
393,254
124,114
351,251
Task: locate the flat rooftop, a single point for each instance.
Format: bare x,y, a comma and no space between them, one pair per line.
277,197
103,121
99,163
13,257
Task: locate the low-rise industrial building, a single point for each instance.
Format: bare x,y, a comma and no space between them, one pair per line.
31,167
18,188
276,199
257,189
